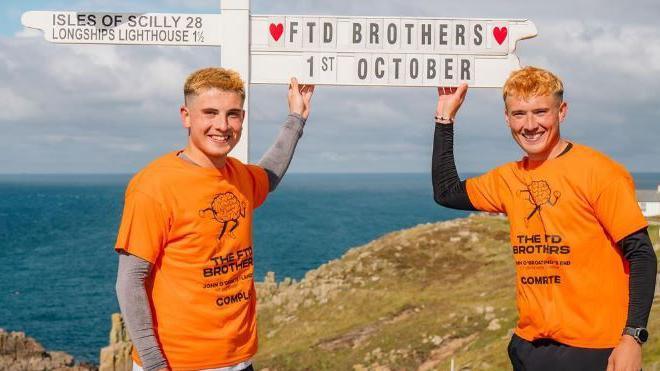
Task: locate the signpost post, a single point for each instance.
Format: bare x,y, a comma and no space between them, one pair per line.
323,50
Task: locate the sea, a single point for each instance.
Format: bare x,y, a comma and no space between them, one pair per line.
57,232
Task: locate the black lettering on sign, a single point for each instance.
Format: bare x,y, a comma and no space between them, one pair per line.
460,34
327,32
373,34
430,68
409,27
311,26
311,66
110,20
292,30
392,33
465,69
442,39
380,73
414,68
427,31
478,37
327,63
448,67
396,61
357,33
362,69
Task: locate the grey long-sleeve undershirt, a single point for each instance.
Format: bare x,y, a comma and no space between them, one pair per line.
278,157
134,305
133,271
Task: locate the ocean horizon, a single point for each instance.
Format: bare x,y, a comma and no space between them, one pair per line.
57,232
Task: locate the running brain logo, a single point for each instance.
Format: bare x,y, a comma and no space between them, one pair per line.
539,193
225,208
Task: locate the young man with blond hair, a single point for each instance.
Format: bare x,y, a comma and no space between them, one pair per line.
585,266
185,280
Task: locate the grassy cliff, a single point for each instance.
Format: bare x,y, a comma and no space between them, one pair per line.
411,300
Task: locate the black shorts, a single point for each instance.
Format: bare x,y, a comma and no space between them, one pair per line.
546,354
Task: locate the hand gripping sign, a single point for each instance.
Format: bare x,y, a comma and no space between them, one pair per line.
330,50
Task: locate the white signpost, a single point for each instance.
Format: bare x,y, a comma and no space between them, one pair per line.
330,50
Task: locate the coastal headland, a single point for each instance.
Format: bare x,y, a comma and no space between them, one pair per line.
416,299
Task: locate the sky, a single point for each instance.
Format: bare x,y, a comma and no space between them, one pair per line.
112,109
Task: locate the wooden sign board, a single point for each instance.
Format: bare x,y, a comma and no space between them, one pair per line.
385,51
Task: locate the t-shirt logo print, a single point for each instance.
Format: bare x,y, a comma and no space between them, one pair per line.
539,193
225,208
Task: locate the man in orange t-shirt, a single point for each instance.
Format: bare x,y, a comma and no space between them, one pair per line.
185,280
585,266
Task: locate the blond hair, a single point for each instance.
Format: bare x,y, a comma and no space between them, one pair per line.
533,82
213,77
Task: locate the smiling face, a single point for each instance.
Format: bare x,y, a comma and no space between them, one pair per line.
214,118
534,124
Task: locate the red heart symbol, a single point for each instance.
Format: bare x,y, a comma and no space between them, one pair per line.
500,34
276,30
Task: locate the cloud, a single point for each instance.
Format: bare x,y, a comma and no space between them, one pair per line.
29,33
90,107
16,106
114,143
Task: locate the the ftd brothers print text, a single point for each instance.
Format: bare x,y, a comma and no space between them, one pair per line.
542,252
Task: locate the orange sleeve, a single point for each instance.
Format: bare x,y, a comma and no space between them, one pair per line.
261,184
485,192
617,210
143,228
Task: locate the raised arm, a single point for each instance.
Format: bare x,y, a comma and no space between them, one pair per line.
448,189
278,157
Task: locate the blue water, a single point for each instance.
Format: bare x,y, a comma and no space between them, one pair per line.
57,265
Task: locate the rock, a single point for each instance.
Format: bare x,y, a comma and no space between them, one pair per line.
117,355
19,352
494,325
285,283
270,278
436,340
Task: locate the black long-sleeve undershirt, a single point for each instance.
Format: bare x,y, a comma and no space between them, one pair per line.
450,191
638,250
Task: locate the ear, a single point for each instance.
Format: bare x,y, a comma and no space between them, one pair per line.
506,117
563,111
185,116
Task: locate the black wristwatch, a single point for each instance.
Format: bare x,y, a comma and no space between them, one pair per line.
640,334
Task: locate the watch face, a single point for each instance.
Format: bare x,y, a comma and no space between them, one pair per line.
643,335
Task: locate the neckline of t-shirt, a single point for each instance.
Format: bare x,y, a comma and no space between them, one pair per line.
565,153
188,165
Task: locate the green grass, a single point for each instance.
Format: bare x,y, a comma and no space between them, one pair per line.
425,291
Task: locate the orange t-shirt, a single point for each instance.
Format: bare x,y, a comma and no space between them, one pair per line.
566,216
195,226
